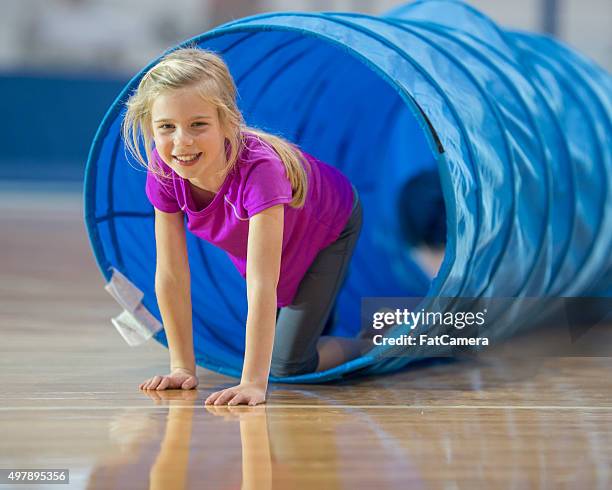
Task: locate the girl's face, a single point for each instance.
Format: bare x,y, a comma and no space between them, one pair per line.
188,135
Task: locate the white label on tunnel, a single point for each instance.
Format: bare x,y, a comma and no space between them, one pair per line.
124,292
135,324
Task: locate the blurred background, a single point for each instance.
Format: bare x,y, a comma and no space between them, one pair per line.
63,62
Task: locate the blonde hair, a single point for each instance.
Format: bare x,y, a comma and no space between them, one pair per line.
193,66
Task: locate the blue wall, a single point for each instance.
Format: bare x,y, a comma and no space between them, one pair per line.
49,122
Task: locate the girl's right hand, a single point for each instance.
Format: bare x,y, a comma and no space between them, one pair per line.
179,378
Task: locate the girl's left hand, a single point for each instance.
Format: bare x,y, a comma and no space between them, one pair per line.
244,393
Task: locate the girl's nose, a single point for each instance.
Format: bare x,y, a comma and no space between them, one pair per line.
182,138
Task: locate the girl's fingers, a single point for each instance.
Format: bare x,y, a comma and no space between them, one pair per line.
163,383
238,399
154,382
219,397
211,399
225,397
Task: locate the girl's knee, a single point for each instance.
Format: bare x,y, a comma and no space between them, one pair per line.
284,369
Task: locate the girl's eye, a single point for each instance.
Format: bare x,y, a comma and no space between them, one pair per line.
171,126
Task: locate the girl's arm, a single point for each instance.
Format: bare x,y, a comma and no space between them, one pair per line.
262,274
172,288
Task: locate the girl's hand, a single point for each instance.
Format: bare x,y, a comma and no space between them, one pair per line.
244,393
179,378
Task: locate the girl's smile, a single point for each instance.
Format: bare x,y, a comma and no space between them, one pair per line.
187,160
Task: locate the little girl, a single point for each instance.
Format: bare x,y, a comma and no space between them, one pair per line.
288,222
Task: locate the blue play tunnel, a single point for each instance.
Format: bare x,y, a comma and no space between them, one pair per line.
516,125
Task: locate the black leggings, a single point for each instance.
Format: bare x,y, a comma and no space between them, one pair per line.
300,324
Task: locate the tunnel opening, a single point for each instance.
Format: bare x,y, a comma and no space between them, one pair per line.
332,105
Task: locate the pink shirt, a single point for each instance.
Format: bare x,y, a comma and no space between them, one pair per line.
259,181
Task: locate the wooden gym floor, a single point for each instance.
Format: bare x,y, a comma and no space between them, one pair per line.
70,399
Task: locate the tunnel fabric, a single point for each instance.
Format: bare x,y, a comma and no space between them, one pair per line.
522,121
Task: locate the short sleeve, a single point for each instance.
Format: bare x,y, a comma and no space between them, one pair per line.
160,192
266,185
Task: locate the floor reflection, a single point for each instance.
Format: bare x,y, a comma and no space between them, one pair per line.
329,446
